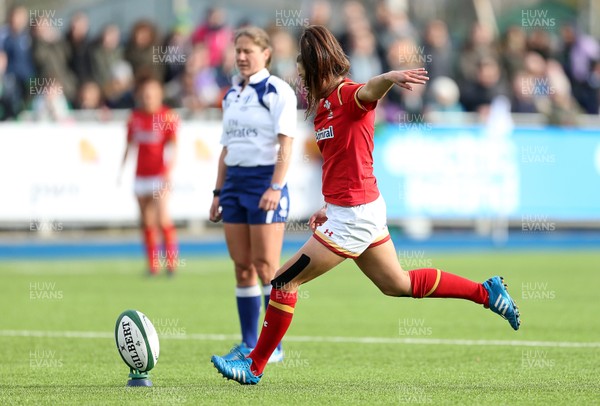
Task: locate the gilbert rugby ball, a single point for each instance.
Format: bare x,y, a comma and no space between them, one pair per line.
137,341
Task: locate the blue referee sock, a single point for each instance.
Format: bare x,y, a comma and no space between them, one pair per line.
248,304
267,295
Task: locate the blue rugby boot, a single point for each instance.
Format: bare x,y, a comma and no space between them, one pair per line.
232,355
237,369
500,301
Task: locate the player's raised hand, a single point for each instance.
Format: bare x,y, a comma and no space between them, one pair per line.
406,78
378,86
318,218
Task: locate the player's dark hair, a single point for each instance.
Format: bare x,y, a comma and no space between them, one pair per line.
324,62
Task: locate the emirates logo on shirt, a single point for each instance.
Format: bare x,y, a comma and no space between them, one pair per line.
324,133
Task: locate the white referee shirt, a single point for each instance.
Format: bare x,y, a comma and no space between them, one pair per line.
253,117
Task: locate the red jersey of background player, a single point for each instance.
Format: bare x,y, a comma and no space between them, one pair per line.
344,129
151,132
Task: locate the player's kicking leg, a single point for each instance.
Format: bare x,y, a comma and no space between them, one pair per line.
312,260
380,264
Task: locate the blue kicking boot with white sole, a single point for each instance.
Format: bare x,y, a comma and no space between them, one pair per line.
237,368
500,301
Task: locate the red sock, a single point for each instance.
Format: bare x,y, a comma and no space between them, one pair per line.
277,320
151,249
430,282
172,252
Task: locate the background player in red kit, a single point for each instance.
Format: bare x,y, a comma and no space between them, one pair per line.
353,222
152,127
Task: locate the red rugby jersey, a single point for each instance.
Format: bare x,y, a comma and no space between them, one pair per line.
344,128
151,132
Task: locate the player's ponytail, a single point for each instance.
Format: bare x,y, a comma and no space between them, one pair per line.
324,64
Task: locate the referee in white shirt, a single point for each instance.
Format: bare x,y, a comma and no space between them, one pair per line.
251,196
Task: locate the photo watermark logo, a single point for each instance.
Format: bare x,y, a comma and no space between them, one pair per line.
532,86
168,259
165,122
413,55
169,396
44,358
297,85
45,86
537,291
44,18
413,327
169,327
161,189
537,224
294,225
537,154
414,259
45,225
290,18
294,359
169,55
44,291
283,293
536,359
537,19
413,121
413,395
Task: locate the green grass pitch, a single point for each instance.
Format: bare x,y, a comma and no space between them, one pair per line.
348,344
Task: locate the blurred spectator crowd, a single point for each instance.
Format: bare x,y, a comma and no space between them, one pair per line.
50,73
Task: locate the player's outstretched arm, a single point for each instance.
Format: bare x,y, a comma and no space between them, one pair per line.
378,86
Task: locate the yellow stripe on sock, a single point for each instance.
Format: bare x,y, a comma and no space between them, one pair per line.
437,282
285,308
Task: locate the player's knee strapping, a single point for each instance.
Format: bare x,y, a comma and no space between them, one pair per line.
290,273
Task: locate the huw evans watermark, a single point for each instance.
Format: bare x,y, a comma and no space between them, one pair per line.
413,327
44,358
44,18
537,291
44,291
290,18
537,19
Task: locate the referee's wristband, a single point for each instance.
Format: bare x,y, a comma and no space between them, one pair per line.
216,192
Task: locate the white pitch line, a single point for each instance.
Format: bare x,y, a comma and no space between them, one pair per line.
315,339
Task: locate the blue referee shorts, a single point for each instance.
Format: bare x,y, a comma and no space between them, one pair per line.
241,193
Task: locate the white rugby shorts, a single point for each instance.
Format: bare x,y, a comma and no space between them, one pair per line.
155,186
349,231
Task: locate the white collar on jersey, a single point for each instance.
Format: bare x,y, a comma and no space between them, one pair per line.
257,77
